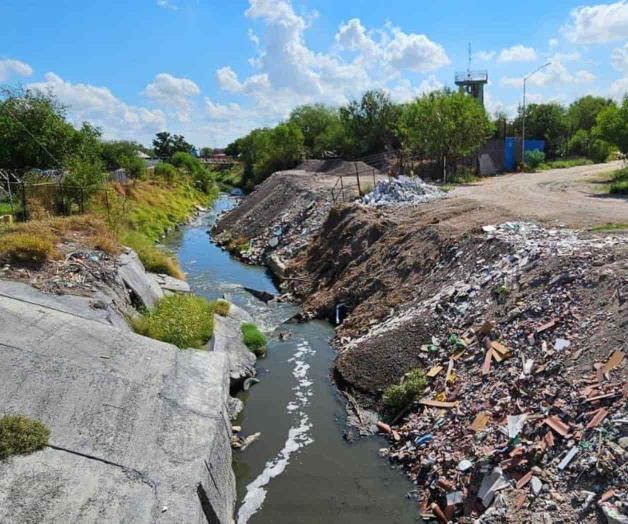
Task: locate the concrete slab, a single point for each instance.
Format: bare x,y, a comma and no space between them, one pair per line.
168,283
227,340
132,272
138,421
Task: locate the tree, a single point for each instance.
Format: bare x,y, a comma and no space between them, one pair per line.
34,133
166,145
444,125
545,122
582,113
612,125
321,128
117,153
206,152
370,124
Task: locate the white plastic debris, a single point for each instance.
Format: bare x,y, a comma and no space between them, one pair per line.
401,191
537,485
491,483
515,424
568,458
464,465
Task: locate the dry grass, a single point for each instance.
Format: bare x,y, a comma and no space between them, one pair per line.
25,248
35,241
222,307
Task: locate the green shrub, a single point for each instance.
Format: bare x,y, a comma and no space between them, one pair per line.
600,151
222,307
183,320
619,183
534,159
26,248
186,161
400,396
21,435
462,176
254,339
154,259
166,171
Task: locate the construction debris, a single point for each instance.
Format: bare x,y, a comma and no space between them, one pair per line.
401,191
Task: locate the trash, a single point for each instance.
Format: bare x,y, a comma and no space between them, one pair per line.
164,509
615,360
401,191
464,465
455,497
612,514
480,421
515,425
249,382
557,425
491,483
420,441
561,344
434,371
568,458
438,403
524,480
536,485
382,426
249,440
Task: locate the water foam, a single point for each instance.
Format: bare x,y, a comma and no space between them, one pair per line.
299,436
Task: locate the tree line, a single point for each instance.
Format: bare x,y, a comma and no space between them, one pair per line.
443,125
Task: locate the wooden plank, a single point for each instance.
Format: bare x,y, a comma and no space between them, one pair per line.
434,371
486,367
557,425
480,421
438,403
500,348
615,360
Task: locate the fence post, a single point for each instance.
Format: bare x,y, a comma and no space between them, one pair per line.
357,176
24,206
342,189
374,182
107,204
82,206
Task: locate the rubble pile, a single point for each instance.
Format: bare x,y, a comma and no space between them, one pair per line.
401,191
79,272
521,422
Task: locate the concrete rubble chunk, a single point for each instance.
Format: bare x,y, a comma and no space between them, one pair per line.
402,191
132,272
491,484
143,428
170,284
228,341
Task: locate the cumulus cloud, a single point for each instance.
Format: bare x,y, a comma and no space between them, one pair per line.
555,74
290,73
404,91
598,24
517,53
217,111
99,106
619,58
174,92
9,68
619,89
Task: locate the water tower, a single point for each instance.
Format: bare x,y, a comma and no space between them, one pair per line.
472,82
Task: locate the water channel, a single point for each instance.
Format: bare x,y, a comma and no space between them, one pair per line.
301,470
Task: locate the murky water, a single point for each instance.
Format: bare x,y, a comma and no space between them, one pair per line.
301,470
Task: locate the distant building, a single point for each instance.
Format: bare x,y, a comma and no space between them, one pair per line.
472,83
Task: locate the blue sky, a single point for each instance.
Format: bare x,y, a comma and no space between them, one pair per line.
213,70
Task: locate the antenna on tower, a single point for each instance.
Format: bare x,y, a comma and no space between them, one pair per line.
470,56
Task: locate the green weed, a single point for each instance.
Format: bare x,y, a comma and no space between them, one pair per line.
21,435
400,396
254,339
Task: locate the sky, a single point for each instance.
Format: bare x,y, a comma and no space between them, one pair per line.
212,70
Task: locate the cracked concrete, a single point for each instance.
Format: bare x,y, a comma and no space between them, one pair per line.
140,428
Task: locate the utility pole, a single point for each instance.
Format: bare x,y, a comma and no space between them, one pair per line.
523,119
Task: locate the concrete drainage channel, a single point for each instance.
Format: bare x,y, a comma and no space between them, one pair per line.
300,469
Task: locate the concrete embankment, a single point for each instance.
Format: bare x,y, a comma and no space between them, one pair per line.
140,430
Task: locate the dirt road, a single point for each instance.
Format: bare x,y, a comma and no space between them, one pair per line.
571,196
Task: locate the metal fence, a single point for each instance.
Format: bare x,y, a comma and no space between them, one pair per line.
27,199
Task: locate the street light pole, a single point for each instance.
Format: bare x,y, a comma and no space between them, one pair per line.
523,119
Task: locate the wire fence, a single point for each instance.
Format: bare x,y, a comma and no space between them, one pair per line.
24,200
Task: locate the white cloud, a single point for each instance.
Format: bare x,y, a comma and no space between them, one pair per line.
555,74
174,92
619,58
553,42
222,112
99,106
619,88
404,91
574,56
166,4
290,73
517,53
598,24
484,56
9,68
